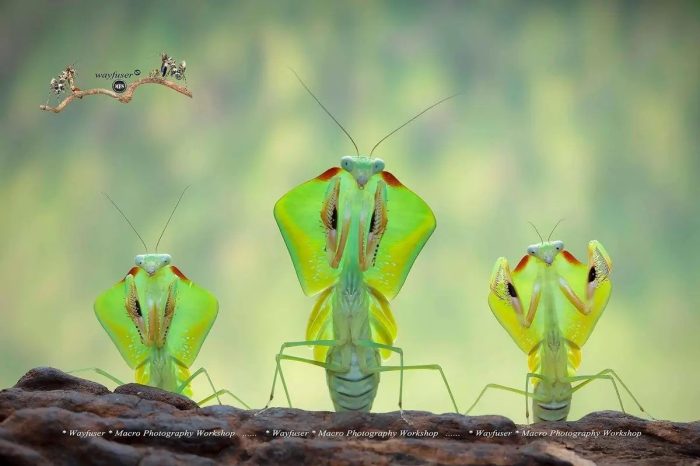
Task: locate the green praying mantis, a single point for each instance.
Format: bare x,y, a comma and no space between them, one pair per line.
353,233
158,319
549,304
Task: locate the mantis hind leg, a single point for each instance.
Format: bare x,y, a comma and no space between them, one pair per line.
524,393
281,356
436,367
98,371
395,349
527,393
401,367
215,393
607,374
499,387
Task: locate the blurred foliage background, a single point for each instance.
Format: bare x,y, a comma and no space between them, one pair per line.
584,111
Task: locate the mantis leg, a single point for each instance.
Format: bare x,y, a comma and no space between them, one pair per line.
500,387
278,366
583,307
435,367
401,367
611,375
215,392
527,392
99,372
395,349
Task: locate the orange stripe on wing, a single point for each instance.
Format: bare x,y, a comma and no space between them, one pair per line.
328,174
177,272
521,265
570,257
133,271
391,179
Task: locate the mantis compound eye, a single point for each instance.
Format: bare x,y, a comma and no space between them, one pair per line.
347,163
378,166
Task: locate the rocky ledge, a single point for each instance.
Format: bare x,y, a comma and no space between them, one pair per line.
50,417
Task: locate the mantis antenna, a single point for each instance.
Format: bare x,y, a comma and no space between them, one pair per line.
536,231
171,216
127,220
555,227
421,113
357,151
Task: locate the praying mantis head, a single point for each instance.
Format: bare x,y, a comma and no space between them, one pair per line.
151,263
547,251
361,167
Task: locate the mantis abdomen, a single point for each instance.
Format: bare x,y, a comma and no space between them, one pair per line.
355,389
550,410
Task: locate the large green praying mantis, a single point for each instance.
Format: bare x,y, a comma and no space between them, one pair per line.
353,233
158,320
549,304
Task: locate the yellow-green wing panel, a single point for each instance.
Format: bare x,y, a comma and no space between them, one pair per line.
575,326
110,309
298,216
410,224
182,373
195,312
534,359
381,321
142,373
320,325
502,304
573,357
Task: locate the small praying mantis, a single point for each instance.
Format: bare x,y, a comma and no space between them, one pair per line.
353,233
564,298
158,320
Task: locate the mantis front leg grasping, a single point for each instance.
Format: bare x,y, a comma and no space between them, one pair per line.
583,308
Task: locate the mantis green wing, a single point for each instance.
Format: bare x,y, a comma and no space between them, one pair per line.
298,217
195,312
110,309
502,303
320,324
591,283
410,224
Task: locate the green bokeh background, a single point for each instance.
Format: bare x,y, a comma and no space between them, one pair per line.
584,111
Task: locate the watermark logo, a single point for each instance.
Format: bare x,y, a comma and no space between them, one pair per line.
118,75
118,86
119,79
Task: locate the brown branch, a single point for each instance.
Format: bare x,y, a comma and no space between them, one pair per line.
124,97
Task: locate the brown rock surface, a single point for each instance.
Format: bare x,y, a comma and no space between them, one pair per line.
51,417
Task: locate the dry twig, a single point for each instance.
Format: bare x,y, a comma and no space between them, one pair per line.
124,97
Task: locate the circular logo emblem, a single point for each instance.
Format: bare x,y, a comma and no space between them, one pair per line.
137,72
119,86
